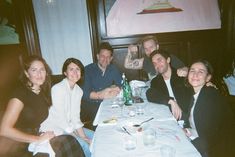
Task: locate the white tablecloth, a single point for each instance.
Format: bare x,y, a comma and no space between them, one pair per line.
108,139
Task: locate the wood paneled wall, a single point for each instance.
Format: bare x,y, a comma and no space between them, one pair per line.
218,46
188,45
23,16
10,56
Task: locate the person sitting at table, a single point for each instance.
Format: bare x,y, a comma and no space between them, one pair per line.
149,44
26,109
64,114
229,82
102,80
229,79
209,123
167,87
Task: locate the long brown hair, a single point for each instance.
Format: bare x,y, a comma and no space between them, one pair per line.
46,86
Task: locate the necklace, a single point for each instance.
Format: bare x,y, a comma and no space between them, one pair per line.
37,91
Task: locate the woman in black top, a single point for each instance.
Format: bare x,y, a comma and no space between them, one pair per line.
27,108
209,124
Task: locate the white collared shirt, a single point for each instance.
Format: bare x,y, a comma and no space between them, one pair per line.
169,88
64,114
193,129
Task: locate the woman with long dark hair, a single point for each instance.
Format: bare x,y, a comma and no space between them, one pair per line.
28,108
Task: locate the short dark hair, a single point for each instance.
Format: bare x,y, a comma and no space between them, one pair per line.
106,46
78,63
163,53
207,64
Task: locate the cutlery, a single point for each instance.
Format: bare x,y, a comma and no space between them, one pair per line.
138,125
126,131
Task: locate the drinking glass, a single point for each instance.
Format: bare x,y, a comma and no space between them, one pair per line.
137,91
167,151
129,142
149,137
140,109
120,102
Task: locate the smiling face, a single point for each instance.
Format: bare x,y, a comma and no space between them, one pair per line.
36,73
150,46
104,58
73,73
160,63
198,76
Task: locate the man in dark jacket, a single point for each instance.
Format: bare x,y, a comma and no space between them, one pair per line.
167,87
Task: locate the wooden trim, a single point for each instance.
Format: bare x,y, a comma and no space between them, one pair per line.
187,45
27,23
91,11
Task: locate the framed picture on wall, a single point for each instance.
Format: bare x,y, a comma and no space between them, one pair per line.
120,18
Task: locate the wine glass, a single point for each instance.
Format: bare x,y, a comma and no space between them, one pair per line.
120,102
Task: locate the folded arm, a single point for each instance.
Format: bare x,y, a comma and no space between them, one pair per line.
130,62
106,93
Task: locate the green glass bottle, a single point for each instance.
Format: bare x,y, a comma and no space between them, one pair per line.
127,93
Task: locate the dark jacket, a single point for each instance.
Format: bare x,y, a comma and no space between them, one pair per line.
158,92
212,117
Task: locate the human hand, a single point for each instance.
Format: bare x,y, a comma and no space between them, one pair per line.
87,140
175,109
80,133
110,92
187,132
115,89
46,136
182,72
210,84
132,50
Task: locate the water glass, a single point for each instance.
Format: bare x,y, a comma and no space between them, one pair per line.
149,137
121,102
167,151
137,91
139,109
129,142
131,111
114,103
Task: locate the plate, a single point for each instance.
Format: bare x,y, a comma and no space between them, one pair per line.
128,124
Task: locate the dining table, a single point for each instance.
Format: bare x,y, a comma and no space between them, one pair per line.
115,123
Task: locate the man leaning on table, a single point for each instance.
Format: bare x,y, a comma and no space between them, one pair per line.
102,81
167,87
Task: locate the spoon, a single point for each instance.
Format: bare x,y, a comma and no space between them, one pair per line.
138,125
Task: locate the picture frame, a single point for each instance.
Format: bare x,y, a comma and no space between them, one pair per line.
120,27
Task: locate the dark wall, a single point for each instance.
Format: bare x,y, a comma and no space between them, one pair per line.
188,45
218,46
228,19
21,16
10,56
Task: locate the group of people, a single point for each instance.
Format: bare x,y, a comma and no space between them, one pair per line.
37,113
191,97
29,106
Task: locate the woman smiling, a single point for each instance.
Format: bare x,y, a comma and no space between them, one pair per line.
209,117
